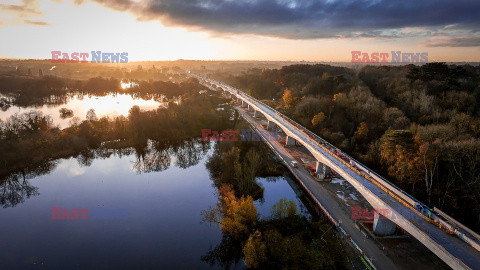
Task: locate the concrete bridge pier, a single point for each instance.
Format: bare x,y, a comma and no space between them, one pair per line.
244,104
270,125
322,171
383,226
250,108
257,114
290,141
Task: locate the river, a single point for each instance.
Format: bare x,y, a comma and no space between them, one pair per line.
159,196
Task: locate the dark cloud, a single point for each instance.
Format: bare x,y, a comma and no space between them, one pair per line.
305,19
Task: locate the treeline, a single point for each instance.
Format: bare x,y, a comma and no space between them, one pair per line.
307,79
29,91
32,138
147,71
417,125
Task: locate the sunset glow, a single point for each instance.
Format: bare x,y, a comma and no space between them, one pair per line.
240,134
37,27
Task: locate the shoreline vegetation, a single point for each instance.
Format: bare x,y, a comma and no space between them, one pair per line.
32,137
263,242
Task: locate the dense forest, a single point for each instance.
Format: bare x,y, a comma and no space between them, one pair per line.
417,125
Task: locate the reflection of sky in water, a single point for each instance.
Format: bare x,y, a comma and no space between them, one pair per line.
276,188
109,105
162,231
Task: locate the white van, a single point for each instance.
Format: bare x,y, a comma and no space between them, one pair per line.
294,164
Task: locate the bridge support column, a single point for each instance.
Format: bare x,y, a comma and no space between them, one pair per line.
290,141
270,125
322,171
244,104
250,108
257,114
383,226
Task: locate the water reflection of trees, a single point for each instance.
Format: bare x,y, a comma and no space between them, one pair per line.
157,156
227,254
15,187
239,163
189,152
153,160
86,157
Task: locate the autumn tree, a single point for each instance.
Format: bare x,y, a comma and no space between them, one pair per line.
254,251
318,118
284,208
288,98
239,215
325,76
428,154
362,130
397,151
393,138
91,116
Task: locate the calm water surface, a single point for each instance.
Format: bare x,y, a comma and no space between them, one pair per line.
109,105
162,229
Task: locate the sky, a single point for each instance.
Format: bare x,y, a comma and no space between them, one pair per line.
310,30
